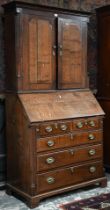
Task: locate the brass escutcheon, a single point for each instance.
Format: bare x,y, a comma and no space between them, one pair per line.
72,136
72,170
37,129
71,151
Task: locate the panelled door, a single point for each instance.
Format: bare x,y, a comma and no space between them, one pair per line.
37,52
72,53
51,51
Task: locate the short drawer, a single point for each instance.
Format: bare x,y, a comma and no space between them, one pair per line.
68,176
68,156
48,129
87,123
62,127
68,140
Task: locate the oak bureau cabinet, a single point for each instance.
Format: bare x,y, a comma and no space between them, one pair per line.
54,123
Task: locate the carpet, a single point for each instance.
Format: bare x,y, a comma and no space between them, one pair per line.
98,202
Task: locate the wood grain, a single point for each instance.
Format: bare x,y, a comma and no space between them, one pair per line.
68,156
68,140
60,105
72,55
65,176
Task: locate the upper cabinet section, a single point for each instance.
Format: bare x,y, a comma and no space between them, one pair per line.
46,48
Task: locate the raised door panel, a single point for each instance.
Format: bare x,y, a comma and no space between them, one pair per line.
38,53
72,53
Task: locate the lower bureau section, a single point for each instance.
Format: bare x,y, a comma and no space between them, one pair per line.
69,175
52,156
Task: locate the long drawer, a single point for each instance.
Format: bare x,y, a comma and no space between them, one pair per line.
68,156
68,140
69,176
62,127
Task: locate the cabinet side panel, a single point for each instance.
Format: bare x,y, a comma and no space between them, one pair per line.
19,147
11,82
106,106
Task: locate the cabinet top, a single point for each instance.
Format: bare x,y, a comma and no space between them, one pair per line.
60,105
12,6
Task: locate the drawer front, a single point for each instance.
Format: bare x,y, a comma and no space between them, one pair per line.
87,123
68,176
68,156
62,127
67,140
48,129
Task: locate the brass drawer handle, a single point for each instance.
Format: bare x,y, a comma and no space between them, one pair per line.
50,160
48,129
50,180
63,127
92,169
92,152
50,143
92,123
79,125
91,137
